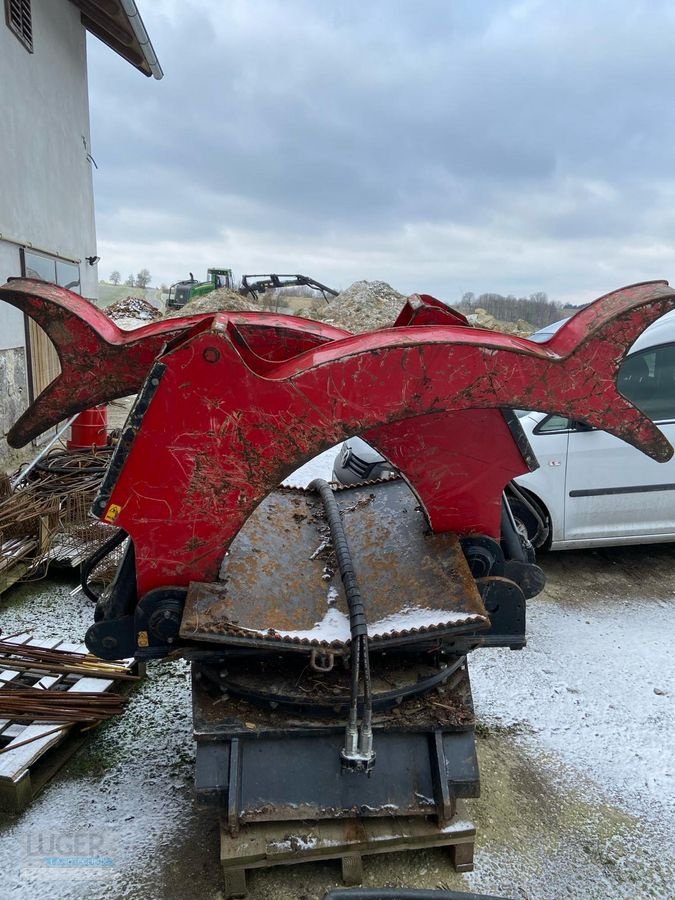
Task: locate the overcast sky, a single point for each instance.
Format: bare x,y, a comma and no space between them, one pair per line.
440,146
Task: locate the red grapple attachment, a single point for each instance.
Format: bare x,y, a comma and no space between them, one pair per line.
233,402
101,362
217,430
228,405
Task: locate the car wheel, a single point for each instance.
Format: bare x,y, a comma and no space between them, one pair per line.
527,524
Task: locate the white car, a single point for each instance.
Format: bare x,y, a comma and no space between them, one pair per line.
591,489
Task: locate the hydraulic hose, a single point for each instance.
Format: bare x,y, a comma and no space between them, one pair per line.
510,537
358,752
357,613
542,529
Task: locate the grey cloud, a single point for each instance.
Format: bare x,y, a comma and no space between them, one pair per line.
369,119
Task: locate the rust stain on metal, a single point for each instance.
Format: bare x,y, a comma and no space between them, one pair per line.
218,436
101,362
413,582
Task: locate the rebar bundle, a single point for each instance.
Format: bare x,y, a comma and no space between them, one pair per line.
30,704
61,702
47,514
27,658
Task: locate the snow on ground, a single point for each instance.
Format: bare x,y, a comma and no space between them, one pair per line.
585,686
576,746
596,685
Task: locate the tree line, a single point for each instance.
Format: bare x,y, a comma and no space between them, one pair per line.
536,309
142,280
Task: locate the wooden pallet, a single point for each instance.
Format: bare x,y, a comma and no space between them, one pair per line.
33,753
266,844
13,562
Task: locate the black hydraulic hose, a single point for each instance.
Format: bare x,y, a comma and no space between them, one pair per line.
357,614
367,689
510,536
354,692
91,562
542,529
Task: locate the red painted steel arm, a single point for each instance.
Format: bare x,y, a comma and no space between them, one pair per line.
221,430
445,457
423,309
101,362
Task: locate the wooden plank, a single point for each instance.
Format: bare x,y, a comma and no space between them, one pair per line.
91,685
462,856
13,762
12,564
45,364
9,675
351,833
71,647
234,883
13,551
265,844
7,729
352,868
415,833
247,844
51,644
11,576
25,769
12,731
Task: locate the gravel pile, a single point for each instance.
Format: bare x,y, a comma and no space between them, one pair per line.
483,319
133,308
364,306
367,305
216,301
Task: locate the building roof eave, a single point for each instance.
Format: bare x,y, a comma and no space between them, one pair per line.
118,24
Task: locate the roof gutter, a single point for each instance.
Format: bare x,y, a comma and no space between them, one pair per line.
138,28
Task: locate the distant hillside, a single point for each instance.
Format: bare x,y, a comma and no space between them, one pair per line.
536,309
111,293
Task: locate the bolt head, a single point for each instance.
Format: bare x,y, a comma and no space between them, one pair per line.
211,354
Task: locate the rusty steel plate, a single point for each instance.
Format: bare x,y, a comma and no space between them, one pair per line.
280,581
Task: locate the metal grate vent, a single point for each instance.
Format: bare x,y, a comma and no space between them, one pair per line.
20,21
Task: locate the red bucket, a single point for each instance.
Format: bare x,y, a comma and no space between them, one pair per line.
90,429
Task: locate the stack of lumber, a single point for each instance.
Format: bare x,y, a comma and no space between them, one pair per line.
51,694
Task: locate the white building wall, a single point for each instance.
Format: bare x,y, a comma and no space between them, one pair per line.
46,190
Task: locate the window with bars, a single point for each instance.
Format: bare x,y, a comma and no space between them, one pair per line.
19,20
